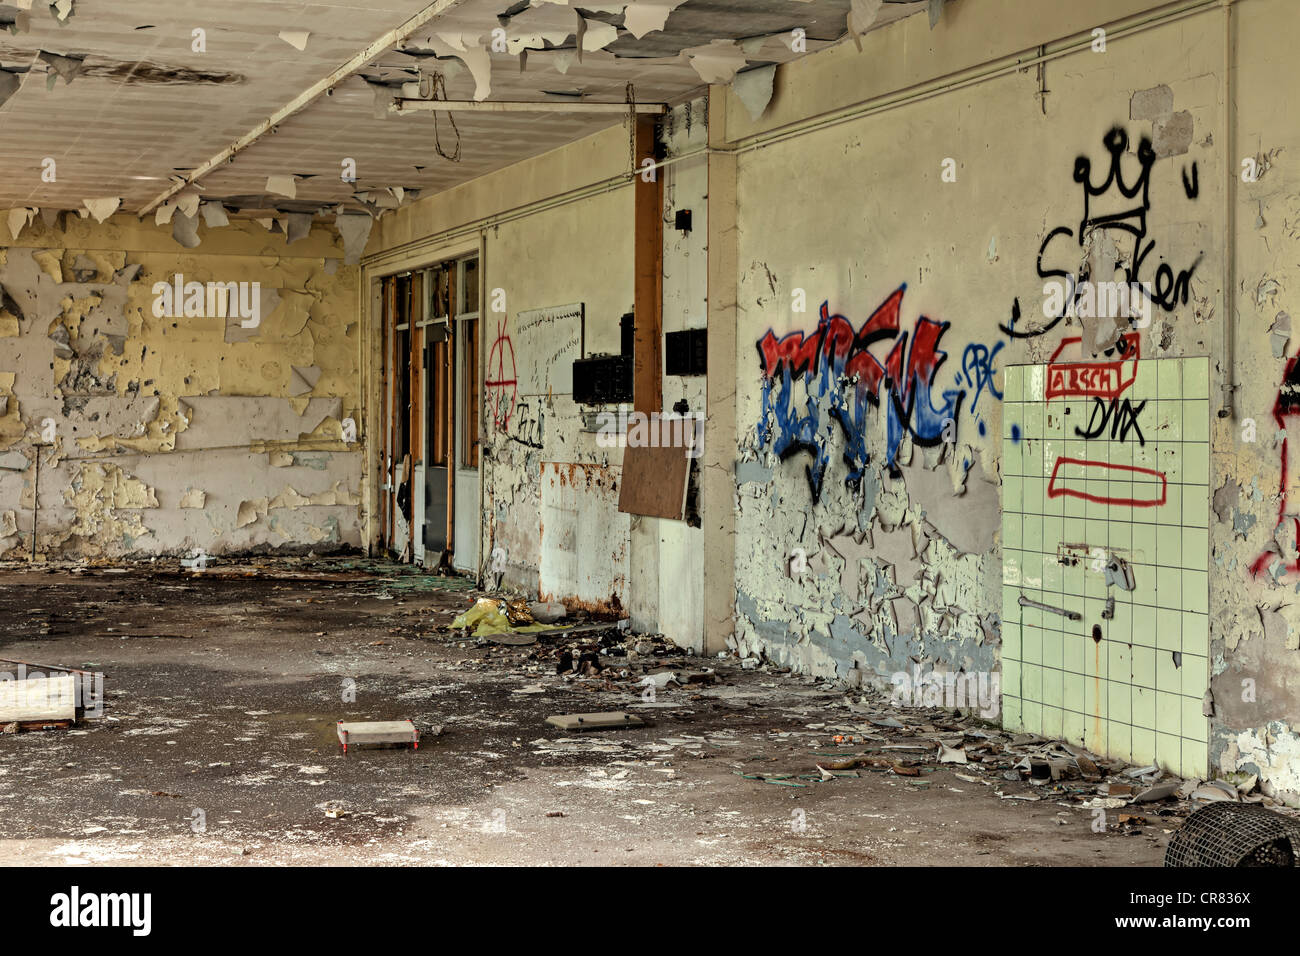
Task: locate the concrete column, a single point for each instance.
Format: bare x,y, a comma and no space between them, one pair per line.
647,387
718,486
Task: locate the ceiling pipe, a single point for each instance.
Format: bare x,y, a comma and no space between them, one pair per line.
319,88
503,106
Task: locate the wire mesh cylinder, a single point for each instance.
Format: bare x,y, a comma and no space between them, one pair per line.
1235,834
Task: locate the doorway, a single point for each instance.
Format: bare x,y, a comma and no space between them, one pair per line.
432,400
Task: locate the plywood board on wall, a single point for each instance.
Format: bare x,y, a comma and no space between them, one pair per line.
654,481
546,342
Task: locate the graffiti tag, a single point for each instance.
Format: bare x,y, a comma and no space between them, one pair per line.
502,386
1114,205
842,379
1119,415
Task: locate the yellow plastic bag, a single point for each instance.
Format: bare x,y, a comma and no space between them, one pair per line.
486,617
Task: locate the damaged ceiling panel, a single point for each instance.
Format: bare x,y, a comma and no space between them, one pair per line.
143,104
110,111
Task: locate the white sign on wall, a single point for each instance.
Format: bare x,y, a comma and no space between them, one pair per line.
546,343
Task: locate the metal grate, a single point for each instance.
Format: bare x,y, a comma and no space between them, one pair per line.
1235,834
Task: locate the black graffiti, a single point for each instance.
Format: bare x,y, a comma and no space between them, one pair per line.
1126,206
527,425
1010,328
1120,414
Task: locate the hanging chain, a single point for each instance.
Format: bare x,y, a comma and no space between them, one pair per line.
440,87
630,94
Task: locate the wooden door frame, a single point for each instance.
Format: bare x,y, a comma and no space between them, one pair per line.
379,341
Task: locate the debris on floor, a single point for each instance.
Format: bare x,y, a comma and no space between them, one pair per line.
865,731
497,617
675,776
47,696
846,735
918,742
38,698
608,721
547,612
197,563
378,733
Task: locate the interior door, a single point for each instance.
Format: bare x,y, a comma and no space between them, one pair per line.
437,352
431,400
468,406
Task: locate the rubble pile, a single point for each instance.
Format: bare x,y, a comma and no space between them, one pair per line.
845,735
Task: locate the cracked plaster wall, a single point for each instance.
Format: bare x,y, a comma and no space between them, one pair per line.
174,434
1255,585
581,251
902,565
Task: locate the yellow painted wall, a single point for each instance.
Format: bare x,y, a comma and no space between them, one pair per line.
176,433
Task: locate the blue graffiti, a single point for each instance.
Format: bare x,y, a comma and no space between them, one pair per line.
978,369
843,378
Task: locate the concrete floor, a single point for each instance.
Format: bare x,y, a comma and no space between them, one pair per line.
222,696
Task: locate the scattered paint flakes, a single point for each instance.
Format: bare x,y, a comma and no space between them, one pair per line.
295,38
282,185
101,209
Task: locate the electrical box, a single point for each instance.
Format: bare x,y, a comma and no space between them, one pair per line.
607,379
686,353
602,380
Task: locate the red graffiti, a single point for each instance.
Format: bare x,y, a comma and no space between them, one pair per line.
1287,404
1106,380
502,378
835,356
1057,487
837,346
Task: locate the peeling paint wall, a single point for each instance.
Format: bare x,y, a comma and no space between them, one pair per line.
668,555
1255,588
879,508
537,456
891,268
908,250
539,430
169,427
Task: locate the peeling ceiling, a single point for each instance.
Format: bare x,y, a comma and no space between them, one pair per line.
125,99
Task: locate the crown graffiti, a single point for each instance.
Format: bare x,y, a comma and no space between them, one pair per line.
1113,203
